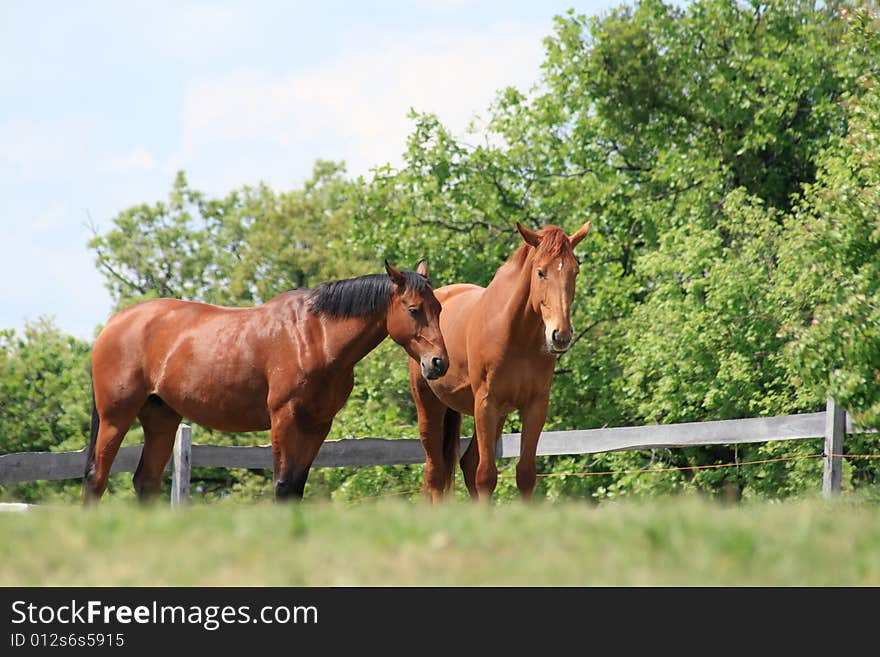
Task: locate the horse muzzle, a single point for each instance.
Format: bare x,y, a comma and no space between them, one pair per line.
558,342
434,367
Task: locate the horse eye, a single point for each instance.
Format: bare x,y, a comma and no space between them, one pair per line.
541,274
413,311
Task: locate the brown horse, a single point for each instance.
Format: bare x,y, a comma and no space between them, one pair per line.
502,342
287,365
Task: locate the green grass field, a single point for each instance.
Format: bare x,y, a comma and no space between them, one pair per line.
675,541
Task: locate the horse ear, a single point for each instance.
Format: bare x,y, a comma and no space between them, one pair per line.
529,236
581,234
396,276
422,268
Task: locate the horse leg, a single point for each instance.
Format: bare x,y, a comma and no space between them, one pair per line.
295,444
160,424
471,458
469,461
431,412
437,479
111,430
488,421
533,418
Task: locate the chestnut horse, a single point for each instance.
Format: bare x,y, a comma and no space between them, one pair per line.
503,341
286,365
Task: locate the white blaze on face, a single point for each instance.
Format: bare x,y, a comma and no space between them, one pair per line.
559,268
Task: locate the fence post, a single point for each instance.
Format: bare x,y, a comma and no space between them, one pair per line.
182,465
835,429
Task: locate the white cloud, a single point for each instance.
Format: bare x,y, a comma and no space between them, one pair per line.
137,159
64,283
441,8
51,218
357,105
191,29
444,5
42,150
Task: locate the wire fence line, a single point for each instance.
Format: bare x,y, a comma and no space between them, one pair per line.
640,471
832,424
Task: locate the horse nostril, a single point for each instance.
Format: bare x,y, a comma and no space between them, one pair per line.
560,340
437,368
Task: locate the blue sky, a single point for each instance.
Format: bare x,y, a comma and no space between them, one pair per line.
102,102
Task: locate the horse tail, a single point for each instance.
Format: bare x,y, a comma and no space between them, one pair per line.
451,435
93,439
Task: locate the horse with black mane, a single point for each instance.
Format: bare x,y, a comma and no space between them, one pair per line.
286,365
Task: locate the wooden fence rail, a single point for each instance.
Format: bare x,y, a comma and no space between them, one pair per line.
832,424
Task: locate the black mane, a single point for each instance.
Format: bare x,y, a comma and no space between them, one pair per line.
357,297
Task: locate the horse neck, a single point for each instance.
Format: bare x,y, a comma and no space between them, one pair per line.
509,294
348,339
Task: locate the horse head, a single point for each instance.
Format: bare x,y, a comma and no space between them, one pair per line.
413,319
554,270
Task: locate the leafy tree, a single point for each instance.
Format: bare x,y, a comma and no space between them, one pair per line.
685,133
829,277
243,248
44,395
43,374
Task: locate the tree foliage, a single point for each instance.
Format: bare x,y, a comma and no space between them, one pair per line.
44,393
690,136
243,248
829,271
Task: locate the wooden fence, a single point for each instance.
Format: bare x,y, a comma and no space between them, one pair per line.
833,424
